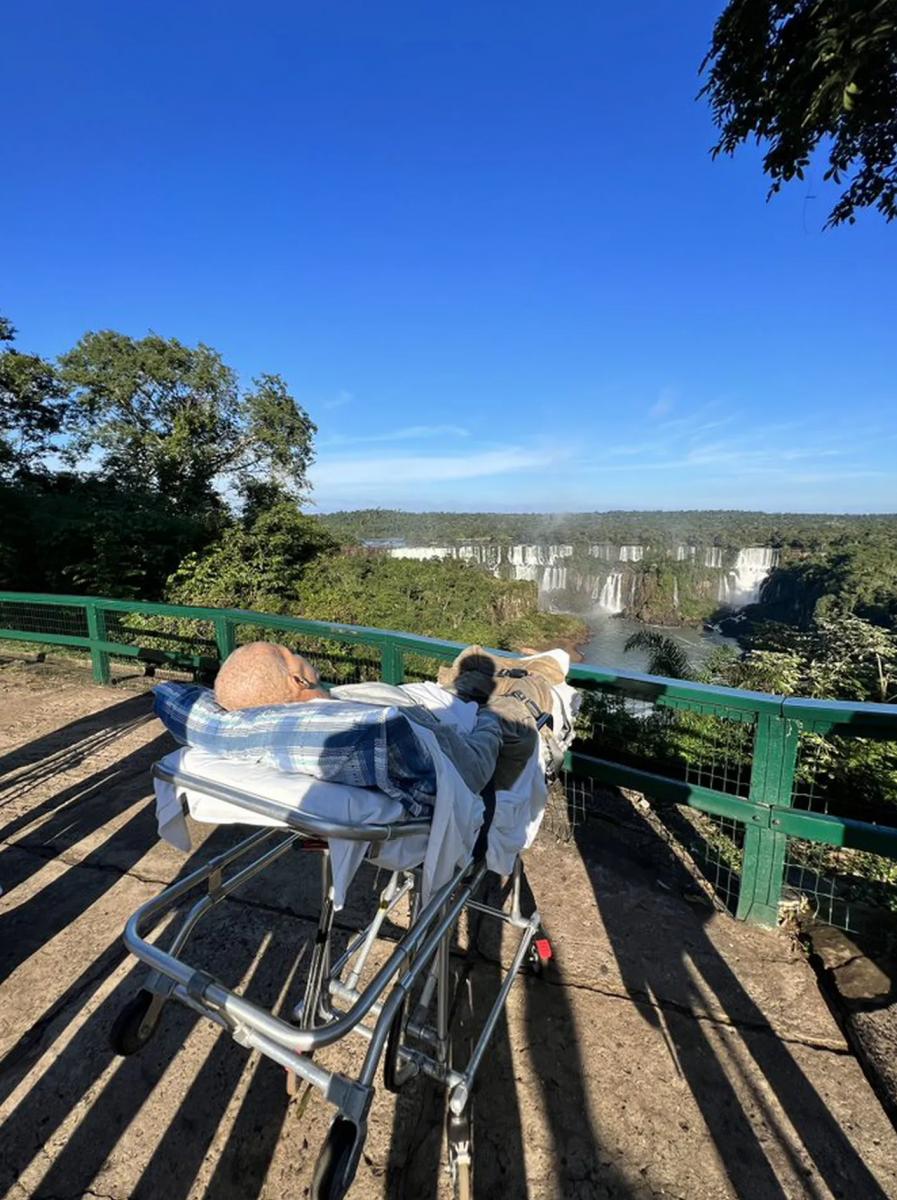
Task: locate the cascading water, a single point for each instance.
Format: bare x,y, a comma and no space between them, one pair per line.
610,597
545,564
752,566
538,555
421,553
554,579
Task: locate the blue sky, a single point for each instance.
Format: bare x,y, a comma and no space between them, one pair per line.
484,243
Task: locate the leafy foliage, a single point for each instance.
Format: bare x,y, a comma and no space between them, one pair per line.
32,406
661,531
666,656
797,74
62,533
172,418
256,564
840,656
450,600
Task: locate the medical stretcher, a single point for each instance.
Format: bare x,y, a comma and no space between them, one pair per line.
403,1007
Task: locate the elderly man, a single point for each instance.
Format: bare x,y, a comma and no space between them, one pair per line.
501,741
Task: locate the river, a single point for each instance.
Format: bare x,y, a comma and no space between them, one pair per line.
609,633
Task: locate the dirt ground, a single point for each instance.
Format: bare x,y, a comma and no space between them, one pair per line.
670,1052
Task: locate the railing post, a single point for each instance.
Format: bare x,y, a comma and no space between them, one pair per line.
224,637
96,631
772,780
392,663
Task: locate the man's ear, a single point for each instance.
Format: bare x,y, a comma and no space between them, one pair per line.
297,685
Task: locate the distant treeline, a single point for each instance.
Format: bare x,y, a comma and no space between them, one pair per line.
734,529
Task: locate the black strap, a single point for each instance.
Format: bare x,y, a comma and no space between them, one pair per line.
539,716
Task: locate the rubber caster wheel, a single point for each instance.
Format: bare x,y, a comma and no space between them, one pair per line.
540,956
132,1028
459,1138
335,1167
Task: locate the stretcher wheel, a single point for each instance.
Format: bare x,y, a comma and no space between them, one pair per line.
334,1169
459,1138
539,956
131,1030
392,1079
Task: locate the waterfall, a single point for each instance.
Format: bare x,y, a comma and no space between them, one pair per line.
547,565
752,566
537,556
554,579
485,554
420,553
610,598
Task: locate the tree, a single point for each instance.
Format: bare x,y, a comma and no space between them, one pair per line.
256,564
794,74
32,406
666,656
173,419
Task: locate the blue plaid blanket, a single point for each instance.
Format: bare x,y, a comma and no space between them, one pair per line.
343,742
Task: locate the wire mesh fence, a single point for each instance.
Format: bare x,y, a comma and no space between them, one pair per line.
846,776
67,620
160,636
714,845
422,667
852,889
708,745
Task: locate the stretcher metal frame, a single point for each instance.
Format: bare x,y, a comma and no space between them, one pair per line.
336,1000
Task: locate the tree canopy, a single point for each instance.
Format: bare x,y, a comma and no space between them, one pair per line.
173,418
32,406
800,75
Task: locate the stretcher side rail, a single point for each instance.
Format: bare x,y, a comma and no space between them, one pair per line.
305,823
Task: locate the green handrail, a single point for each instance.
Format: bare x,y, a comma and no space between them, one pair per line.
777,721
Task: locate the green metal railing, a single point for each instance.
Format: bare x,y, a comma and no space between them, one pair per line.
733,756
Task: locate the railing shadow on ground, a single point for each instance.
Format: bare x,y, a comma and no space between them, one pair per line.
75,813
650,964
66,747
173,1166
45,914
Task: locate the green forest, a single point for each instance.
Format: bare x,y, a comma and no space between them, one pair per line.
801,532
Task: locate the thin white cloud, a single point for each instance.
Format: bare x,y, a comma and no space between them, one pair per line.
340,400
410,433
375,472
664,404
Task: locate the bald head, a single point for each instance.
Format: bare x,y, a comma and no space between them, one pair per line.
263,673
